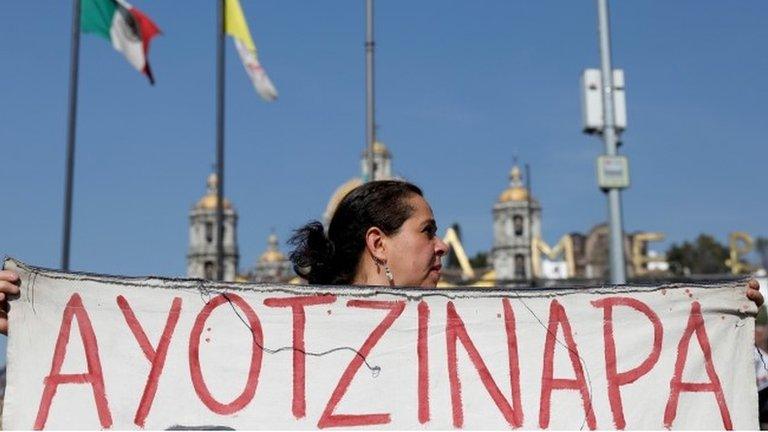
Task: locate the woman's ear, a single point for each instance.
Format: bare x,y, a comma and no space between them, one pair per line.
375,244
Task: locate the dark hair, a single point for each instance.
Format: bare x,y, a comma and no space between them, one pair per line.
333,258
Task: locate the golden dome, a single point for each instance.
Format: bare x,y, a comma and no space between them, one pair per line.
514,194
338,195
272,253
210,200
272,256
516,191
380,148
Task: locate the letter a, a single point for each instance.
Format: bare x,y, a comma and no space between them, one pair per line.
94,377
557,317
676,385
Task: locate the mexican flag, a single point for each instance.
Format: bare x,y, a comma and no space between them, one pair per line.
129,30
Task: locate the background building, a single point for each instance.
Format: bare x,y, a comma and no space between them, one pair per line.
201,256
272,267
516,221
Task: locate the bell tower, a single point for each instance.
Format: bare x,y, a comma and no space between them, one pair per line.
382,161
201,256
516,221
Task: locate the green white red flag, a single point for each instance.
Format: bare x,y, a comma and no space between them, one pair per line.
126,27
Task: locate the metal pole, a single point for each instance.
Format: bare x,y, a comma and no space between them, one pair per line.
370,124
220,47
529,264
616,245
74,59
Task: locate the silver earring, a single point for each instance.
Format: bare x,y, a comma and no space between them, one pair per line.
388,274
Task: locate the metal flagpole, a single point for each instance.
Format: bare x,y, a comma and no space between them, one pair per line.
220,51
529,264
370,125
616,245
74,59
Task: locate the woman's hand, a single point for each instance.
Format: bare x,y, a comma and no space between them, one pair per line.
9,285
753,292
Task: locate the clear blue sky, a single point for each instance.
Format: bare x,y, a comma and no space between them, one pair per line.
462,86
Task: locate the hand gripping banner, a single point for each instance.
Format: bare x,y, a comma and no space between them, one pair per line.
91,351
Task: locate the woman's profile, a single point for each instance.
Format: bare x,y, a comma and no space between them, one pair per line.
382,233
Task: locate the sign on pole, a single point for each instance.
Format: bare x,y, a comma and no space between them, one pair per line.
101,352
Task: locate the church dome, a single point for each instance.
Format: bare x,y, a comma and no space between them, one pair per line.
338,195
210,200
516,191
379,149
382,171
272,254
514,194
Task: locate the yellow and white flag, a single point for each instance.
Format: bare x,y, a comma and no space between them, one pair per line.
238,29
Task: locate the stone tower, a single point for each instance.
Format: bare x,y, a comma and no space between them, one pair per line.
201,257
273,266
382,161
516,221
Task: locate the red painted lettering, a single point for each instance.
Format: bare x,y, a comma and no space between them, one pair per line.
456,331
558,318
156,357
422,352
256,353
297,305
676,385
94,377
328,418
617,379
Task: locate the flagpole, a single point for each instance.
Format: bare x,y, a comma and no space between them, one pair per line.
529,264
74,59
220,47
370,124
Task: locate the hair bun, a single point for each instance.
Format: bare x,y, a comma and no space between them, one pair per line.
313,253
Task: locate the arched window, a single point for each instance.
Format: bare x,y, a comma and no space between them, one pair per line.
519,266
517,221
209,270
209,232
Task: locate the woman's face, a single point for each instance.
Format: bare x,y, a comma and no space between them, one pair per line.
413,253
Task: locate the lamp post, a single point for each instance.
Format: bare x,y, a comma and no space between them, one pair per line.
610,137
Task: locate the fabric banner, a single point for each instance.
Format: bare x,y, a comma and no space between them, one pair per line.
91,351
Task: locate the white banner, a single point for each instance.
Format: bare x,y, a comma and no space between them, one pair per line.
91,352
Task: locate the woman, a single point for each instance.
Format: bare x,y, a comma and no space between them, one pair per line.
382,233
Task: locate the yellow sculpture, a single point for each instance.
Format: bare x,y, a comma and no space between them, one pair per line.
740,244
563,247
639,259
452,240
